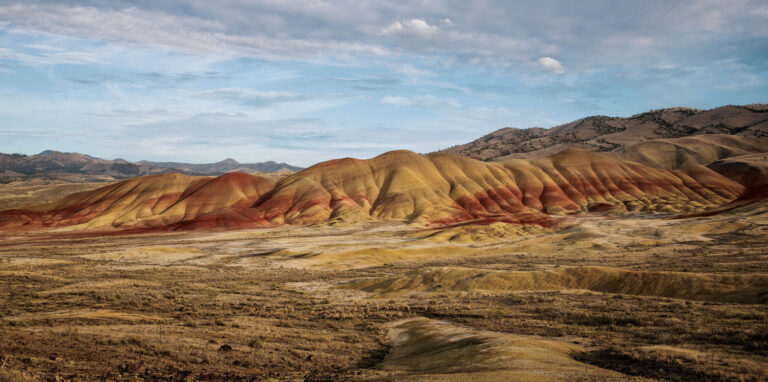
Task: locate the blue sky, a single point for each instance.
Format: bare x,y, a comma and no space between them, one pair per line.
309,80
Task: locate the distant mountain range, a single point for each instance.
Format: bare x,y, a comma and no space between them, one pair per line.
669,138
227,165
58,165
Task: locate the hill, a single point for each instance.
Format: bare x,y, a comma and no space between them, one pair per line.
676,134
227,165
675,153
51,164
433,190
55,164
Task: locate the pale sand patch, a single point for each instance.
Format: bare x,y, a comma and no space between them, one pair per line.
157,255
482,233
34,261
367,257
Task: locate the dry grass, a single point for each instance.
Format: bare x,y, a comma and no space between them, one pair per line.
749,289
142,306
38,191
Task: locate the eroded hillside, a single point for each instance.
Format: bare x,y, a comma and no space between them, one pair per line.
438,189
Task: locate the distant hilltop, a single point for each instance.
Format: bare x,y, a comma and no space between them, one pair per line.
75,166
668,138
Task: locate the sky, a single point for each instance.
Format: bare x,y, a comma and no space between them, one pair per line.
304,81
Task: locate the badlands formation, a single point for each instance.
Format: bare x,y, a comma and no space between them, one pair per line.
557,261
431,190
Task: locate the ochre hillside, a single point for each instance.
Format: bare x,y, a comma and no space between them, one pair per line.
437,189
676,153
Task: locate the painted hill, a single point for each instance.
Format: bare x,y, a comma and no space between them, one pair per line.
73,166
667,138
436,189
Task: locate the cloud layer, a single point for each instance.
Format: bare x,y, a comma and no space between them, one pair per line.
355,73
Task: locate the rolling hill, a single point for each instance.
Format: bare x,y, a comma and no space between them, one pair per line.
432,190
667,138
227,165
75,166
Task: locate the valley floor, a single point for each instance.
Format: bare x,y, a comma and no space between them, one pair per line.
600,298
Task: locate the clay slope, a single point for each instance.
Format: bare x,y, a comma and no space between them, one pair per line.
676,153
606,134
437,189
750,170
152,201
430,350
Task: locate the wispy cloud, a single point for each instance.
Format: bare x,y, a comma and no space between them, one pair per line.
255,98
422,101
182,33
412,27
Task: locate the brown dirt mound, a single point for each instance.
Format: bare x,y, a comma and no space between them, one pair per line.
433,350
749,170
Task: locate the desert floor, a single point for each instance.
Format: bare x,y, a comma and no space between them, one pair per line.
599,298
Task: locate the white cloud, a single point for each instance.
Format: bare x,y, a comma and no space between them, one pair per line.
422,101
551,65
418,27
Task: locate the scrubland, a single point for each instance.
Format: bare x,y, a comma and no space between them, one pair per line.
389,301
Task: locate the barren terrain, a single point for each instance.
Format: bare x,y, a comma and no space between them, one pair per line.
579,266
383,300
19,194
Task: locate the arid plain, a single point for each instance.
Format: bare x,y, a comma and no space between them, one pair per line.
599,297
571,266
602,298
